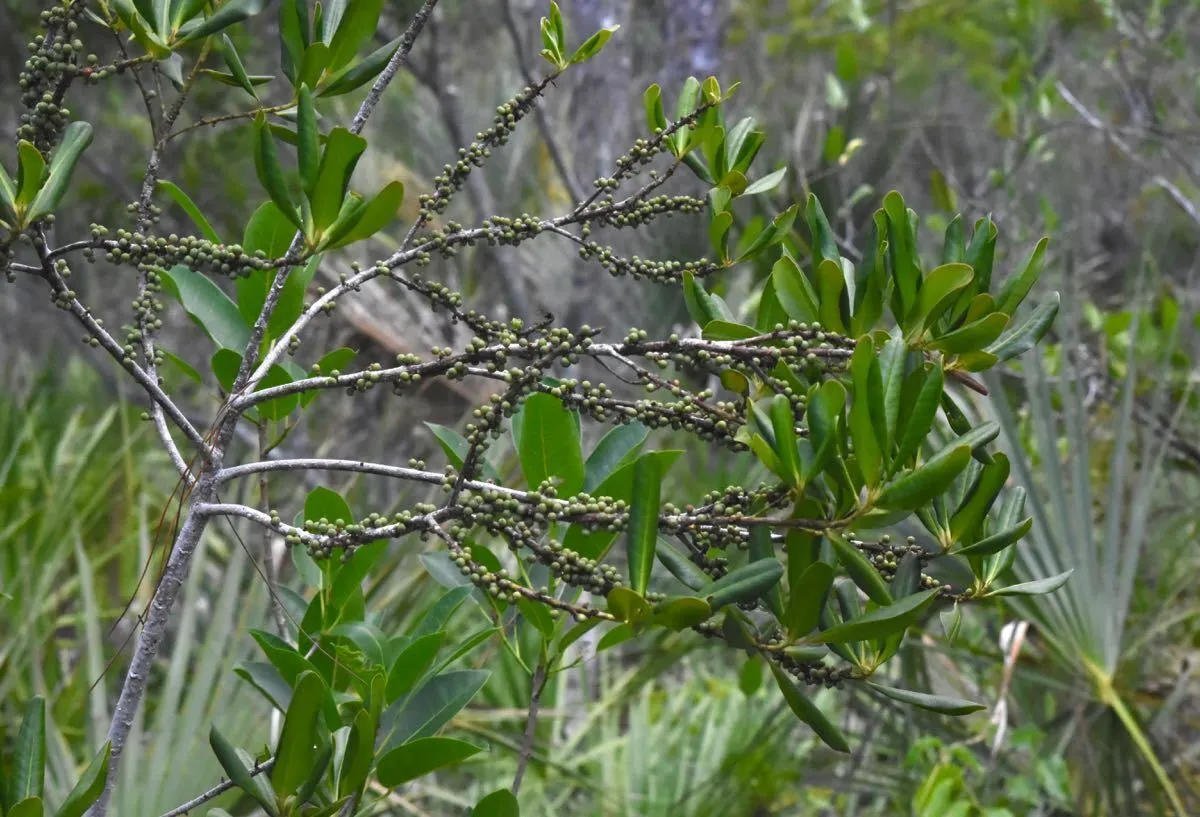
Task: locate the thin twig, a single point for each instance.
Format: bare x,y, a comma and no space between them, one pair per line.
216,791
535,698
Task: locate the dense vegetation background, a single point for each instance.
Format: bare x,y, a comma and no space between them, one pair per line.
1077,119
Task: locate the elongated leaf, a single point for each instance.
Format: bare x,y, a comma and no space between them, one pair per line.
905,268
806,598
868,392
411,664
783,423
618,486
550,445
997,541
938,292
294,757
1017,287
189,207
420,757
969,517
1025,337
29,807
270,172
209,307
891,372
29,753
90,784
919,415
643,521
308,141
859,569
360,73
237,772
31,168
616,449
431,707
916,488
972,336
353,31
808,712
1039,587
681,567
76,138
881,622
748,583
934,703
230,12
377,213
831,285
761,547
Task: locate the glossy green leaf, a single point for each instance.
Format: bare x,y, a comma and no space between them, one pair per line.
656,117
229,13
767,183
360,73
702,306
270,172
783,423
968,518
830,287
617,486
1039,587
915,488
880,622
860,569
998,541
681,567
808,712
239,774
806,598
353,31
377,213
29,807
550,445
1018,286
87,790
209,307
745,584
1026,336
643,521
941,704
826,403
627,605
420,757
761,547
29,753
617,448
237,70
593,44
500,803
411,664
938,292
8,197
31,169
771,235
794,290
294,756
342,152
866,412
189,207
680,612
905,267
431,706
919,414
75,140
972,336
308,141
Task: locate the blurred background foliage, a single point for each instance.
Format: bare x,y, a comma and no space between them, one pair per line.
1075,118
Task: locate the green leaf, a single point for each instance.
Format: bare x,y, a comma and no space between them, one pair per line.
703,307
761,547
767,183
643,521
808,712
783,423
866,424
1039,587
237,71
432,706
420,757
807,597
342,152
29,807
270,172
619,487
500,803
359,755
745,584
354,31
29,753
938,293
891,372
680,612
968,519
294,756
656,117
76,138
860,569
830,285
920,414
237,772
31,168
1026,336
550,445
209,307
231,12
681,567
593,44
8,196
934,703
905,267
916,488
627,605
824,242
378,213
360,73
826,403
308,141
881,622
617,448
90,784
997,541
189,207
1017,287
972,336
411,664
771,235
